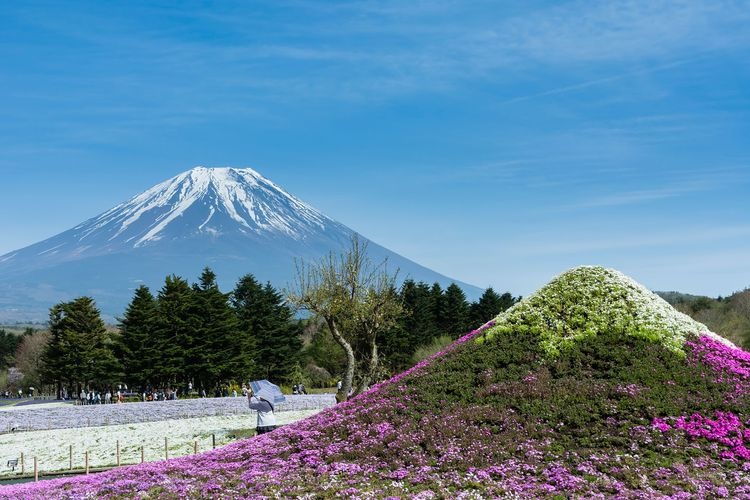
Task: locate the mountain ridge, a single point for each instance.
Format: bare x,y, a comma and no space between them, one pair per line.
233,220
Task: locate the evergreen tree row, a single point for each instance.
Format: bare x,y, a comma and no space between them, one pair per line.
198,335
8,345
184,335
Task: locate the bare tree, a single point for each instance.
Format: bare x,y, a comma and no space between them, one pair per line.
29,354
356,299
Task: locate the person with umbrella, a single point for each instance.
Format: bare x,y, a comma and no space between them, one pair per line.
261,397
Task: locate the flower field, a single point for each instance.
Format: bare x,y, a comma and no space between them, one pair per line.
589,388
52,447
62,416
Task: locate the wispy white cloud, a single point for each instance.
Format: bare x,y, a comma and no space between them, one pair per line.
686,182
595,82
364,53
376,48
596,243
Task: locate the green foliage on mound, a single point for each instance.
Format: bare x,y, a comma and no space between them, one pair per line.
588,300
624,408
597,398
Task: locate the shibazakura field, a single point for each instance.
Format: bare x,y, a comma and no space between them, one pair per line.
591,387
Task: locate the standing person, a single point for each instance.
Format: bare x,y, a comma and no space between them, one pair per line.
266,419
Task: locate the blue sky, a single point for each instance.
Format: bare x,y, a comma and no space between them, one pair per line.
496,143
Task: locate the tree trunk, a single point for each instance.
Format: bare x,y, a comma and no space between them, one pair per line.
346,385
372,367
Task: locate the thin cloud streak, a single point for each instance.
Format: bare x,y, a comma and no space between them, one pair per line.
584,246
599,81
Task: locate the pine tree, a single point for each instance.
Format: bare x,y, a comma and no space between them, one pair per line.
137,326
8,345
173,332
268,328
454,318
490,304
416,326
59,354
420,326
211,358
279,343
246,303
438,305
80,350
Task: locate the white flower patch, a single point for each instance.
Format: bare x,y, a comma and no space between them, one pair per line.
52,447
589,300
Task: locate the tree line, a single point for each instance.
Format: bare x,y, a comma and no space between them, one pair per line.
376,327
198,336
432,318
728,316
187,335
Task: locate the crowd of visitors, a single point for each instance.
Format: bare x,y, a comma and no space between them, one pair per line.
20,394
121,394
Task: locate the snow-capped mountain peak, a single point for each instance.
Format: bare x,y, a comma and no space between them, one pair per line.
234,220
211,200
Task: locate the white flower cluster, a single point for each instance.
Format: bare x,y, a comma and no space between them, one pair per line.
589,300
52,449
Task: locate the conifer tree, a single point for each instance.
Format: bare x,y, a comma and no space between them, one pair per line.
173,333
137,326
490,304
210,357
268,329
437,300
8,345
454,315
280,345
80,350
246,301
420,326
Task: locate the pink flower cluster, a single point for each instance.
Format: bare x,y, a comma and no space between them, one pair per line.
725,429
731,364
393,442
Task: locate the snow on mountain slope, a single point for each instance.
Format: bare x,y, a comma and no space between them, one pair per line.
211,202
233,220
247,199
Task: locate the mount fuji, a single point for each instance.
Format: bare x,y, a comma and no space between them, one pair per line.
232,220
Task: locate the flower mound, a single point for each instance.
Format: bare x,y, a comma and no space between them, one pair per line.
599,401
587,300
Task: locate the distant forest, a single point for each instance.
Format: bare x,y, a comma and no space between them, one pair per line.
195,335
727,316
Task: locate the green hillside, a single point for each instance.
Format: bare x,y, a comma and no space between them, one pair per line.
591,387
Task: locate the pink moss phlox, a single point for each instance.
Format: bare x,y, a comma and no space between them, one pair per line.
262,462
731,364
377,446
726,429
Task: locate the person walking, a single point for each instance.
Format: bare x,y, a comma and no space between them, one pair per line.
266,419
